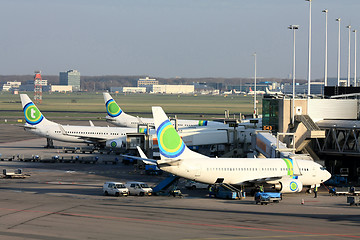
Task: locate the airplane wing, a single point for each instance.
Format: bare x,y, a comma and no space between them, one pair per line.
90,139
269,180
263,180
159,163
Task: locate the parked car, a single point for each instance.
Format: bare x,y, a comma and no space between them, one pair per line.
195,185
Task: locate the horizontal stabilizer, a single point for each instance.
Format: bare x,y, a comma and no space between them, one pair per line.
145,160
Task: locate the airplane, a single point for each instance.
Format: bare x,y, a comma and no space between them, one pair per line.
119,118
251,92
273,92
36,123
228,92
285,175
112,137
238,92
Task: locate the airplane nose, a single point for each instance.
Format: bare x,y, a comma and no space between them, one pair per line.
327,176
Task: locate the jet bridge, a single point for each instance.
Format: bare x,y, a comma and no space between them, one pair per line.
270,146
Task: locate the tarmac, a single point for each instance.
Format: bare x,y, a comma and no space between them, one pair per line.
65,201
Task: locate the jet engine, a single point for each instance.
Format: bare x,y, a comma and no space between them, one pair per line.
116,143
289,186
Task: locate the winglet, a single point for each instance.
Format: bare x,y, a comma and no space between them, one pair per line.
142,154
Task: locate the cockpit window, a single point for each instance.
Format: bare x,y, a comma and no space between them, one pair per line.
323,168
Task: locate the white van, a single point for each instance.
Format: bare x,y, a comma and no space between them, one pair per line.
138,188
115,188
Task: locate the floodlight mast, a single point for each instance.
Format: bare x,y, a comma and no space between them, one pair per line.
309,48
326,47
349,54
338,65
255,111
293,27
355,80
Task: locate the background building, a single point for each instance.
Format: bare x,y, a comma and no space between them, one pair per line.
173,89
9,86
145,82
316,88
128,89
60,88
70,78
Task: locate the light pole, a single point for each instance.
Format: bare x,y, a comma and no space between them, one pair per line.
255,112
309,53
338,57
293,27
355,82
326,47
348,73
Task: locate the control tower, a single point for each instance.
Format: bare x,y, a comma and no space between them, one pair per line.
37,87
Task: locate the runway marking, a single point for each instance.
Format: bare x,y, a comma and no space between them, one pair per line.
187,223
271,236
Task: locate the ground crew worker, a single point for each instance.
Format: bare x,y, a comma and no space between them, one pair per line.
261,188
315,191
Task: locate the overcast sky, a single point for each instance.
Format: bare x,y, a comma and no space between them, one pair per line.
169,38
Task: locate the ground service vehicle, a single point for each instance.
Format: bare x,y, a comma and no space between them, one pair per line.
267,197
195,185
138,188
115,188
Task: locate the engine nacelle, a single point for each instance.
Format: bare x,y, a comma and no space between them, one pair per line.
289,186
116,143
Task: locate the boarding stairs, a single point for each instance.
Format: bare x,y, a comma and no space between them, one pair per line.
166,186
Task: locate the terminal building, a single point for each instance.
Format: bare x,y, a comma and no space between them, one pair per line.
70,78
327,129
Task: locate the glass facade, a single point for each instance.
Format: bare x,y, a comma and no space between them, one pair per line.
270,114
71,78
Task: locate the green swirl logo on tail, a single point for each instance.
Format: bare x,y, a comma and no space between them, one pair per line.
170,143
32,114
112,108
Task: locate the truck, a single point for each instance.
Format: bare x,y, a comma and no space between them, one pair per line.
18,173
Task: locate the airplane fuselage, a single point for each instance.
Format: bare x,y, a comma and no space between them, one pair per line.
79,134
133,122
239,171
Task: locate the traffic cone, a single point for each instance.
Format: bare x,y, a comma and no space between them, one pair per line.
302,201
